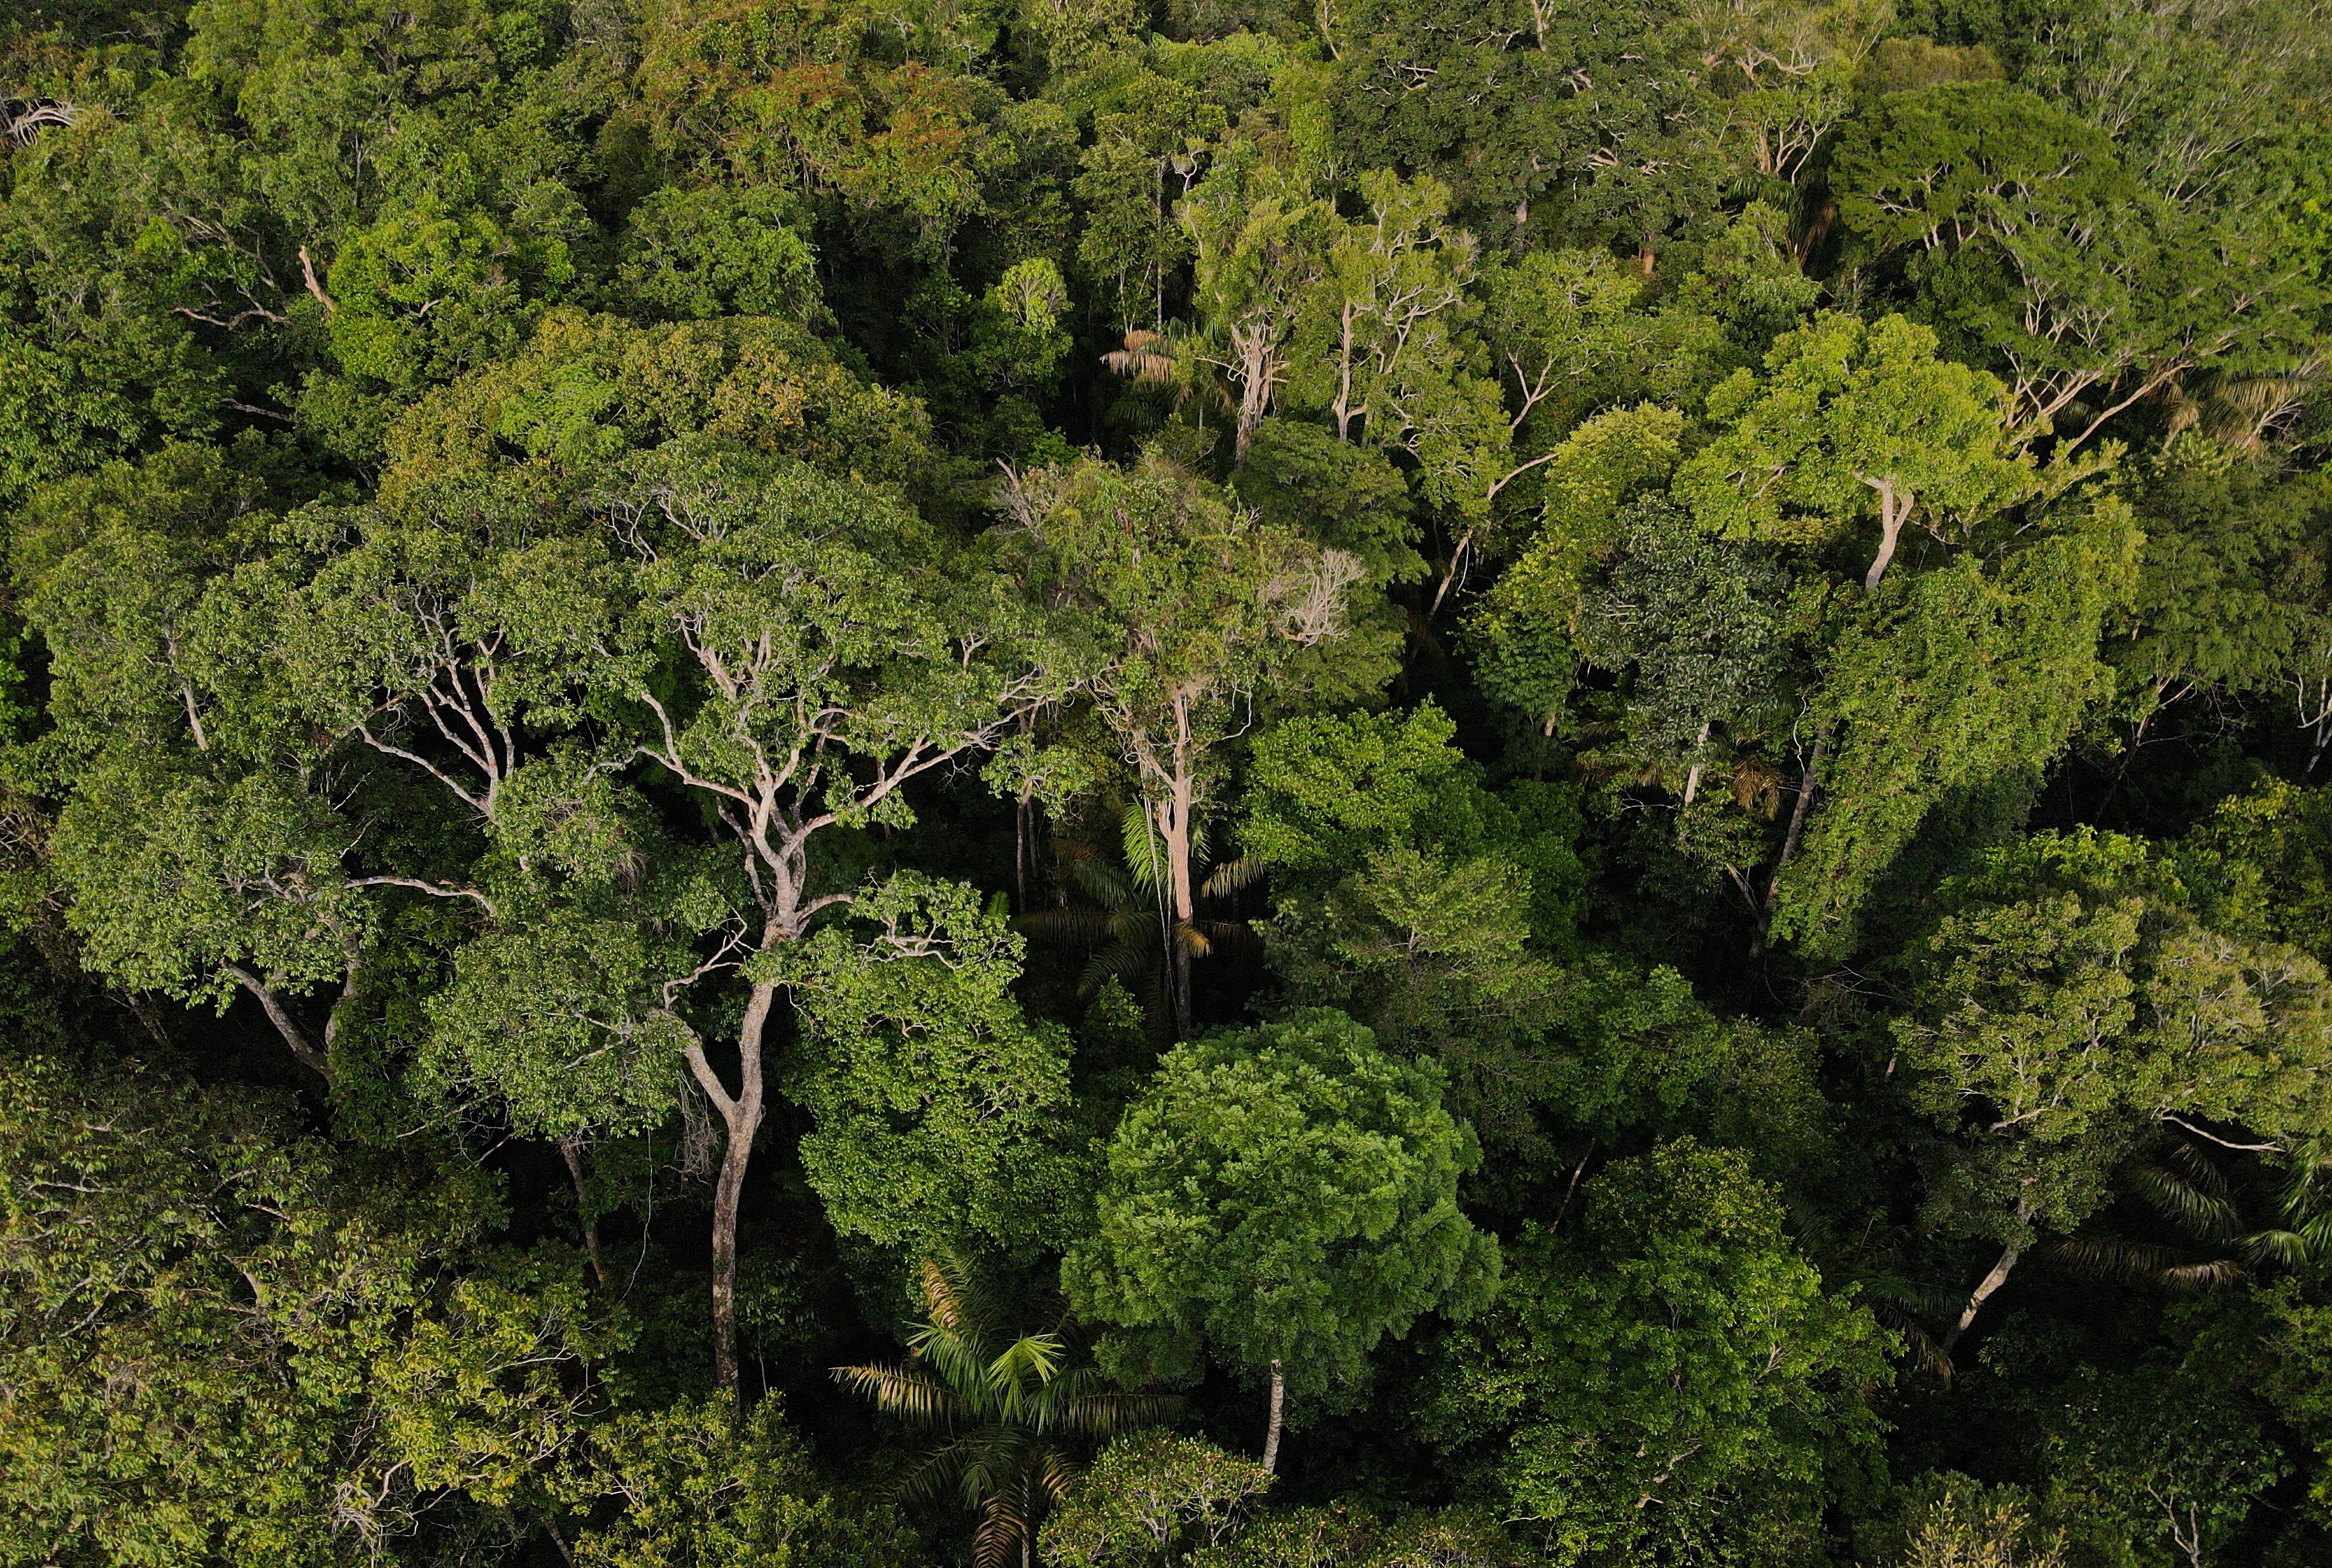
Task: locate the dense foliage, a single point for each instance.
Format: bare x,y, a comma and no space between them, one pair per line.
1246,783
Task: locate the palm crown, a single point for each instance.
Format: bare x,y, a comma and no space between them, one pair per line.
1007,1413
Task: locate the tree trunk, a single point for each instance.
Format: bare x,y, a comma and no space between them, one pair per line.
310,1057
1692,780
574,1158
1174,822
1342,407
1449,578
740,1115
1806,784
1894,512
1257,372
1982,1293
1175,826
1271,1435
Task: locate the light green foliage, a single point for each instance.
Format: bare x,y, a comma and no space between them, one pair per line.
1377,347
462,614
1953,1522
1668,1377
1152,1496
1326,792
1180,614
1139,562
1288,1194
1749,279
1567,335
1259,238
588,389
112,571
2258,865
1961,678
941,1112
1528,627
1442,914
819,623
701,1489
221,1341
2067,1000
1850,420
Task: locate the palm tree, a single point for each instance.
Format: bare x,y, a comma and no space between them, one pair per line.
1122,917
1005,1413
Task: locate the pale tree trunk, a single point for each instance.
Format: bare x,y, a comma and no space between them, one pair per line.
1983,1292
1449,578
1174,822
302,1048
1807,783
740,1117
1257,370
1344,405
1271,1435
1894,512
1174,826
573,1155
1692,780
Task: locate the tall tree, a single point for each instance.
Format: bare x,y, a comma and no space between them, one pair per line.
794,655
1283,1199
1186,613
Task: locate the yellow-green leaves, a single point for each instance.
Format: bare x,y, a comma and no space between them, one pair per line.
1850,421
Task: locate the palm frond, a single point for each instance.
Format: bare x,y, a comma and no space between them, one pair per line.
1067,927
1003,1522
1916,1337
1106,1412
2198,1168
2196,1278
1145,851
936,1478
942,1294
1031,1360
907,1392
2205,1215
952,1302
1121,960
1189,939
1142,361
1052,1471
1233,876
2287,1248
1935,1303
1106,885
2139,1263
